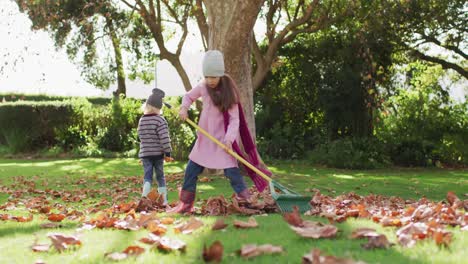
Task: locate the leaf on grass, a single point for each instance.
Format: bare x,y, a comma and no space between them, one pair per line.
56,217
325,231
205,179
363,232
453,199
294,218
62,242
40,247
189,226
442,237
379,241
213,253
252,223
129,223
133,250
215,206
22,219
151,239
236,207
167,221
44,209
315,257
116,256
219,224
252,250
167,244
156,228
50,225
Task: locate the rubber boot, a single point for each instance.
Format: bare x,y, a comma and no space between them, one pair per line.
185,205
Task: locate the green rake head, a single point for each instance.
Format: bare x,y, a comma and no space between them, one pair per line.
286,199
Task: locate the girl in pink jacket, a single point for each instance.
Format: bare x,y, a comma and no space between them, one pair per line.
219,95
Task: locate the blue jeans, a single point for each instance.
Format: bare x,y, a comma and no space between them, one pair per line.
157,164
193,170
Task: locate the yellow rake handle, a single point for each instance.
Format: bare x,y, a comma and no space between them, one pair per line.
232,153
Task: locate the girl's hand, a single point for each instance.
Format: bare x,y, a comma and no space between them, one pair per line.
183,113
168,159
227,145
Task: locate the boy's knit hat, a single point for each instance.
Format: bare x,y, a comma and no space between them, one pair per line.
213,64
155,99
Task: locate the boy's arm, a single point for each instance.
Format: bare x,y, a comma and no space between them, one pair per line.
165,140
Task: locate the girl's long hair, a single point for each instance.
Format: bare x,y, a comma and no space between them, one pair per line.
226,94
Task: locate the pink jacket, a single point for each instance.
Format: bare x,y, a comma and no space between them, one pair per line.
205,152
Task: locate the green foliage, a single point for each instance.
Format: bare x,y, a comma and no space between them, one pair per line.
421,125
14,97
34,122
351,153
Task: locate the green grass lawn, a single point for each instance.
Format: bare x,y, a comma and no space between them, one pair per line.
16,238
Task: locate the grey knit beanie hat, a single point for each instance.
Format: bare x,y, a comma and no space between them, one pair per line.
155,99
213,64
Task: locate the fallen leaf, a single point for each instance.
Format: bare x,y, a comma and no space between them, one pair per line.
56,217
151,239
325,231
156,228
250,224
219,224
315,257
62,242
364,232
294,218
189,226
116,256
40,247
213,253
50,225
167,244
252,250
379,241
167,220
133,250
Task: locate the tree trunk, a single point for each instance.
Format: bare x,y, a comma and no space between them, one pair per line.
230,31
121,87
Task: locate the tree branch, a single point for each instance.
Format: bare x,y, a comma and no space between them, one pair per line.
445,64
133,7
201,21
449,47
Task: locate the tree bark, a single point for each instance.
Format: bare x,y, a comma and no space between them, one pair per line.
230,31
121,87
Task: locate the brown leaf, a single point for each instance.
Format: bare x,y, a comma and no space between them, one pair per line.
189,226
56,217
325,231
40,247
133,250
156,228
151,239
294,218
219,224
22,219
167,244
442,237
129,223
205,179
452,198
314,257
50,225
44,209
62,242
379,241
364,232
167,220
116,256
250,224
213,253
153,195
252,250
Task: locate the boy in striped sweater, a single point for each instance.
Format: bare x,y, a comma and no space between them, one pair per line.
155,143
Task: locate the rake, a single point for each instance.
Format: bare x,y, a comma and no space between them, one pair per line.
285,198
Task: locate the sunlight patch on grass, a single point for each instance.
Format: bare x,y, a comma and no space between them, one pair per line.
205,187
71,167
342,176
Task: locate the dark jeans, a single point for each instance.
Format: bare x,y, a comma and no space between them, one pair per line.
193,170
149,164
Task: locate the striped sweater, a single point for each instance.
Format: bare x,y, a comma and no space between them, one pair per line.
154,137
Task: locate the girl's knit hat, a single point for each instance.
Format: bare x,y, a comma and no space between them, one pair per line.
213,64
